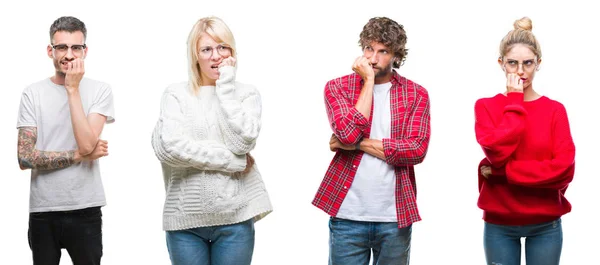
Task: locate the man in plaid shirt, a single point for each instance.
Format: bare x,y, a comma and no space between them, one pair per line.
380,123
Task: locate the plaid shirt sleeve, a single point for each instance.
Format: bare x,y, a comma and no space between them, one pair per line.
347,123
410,150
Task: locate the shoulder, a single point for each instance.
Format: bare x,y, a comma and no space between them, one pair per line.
36,86
94,84
179,89
496,99
554,105
412,87
343,82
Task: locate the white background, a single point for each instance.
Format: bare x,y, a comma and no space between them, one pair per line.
289,51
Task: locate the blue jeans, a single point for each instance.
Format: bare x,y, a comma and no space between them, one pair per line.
543,243
351,242
216,245
78,231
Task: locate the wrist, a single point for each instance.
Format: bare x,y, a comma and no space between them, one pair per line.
72,91
357,145
77,157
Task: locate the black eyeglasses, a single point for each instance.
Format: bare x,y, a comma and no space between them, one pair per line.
77,49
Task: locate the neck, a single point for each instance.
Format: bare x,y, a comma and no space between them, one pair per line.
383,79
529,94
58,78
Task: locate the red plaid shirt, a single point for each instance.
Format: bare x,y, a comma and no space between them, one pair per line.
407,146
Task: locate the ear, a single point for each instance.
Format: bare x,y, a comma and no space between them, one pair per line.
49,50
85,51
537,68
501,63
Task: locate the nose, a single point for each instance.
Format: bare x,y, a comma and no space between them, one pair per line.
216,56
373,59
69,54
520,69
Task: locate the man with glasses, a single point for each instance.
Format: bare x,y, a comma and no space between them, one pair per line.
380,123
60,122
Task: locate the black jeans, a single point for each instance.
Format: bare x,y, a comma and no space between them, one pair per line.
78,231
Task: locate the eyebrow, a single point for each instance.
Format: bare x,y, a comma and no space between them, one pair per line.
509,59
67,44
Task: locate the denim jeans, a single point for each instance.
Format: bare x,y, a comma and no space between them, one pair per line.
351,242
543,243
78,231
215,245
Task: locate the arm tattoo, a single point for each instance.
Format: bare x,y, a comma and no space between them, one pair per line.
29,157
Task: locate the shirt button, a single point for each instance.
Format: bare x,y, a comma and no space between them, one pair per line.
354,166
345,187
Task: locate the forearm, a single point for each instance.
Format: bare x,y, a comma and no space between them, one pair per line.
46,160
373,147
365,99
552,174
176,151
499,140
346,122
85,136
31,158
240,112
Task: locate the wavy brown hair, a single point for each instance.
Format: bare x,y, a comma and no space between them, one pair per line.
388,33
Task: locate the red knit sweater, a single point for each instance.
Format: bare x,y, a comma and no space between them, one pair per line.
532,155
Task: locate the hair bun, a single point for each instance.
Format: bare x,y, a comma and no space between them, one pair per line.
523,23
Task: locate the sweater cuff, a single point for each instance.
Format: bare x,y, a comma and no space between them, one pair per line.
498,171
226,74
515,97
238,163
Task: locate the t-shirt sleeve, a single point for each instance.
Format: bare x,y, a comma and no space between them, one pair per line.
26,117
103,104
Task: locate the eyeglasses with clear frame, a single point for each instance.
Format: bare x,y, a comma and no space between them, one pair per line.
77,49
208,51
513,65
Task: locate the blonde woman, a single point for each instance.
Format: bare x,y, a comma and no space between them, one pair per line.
529,159
207,127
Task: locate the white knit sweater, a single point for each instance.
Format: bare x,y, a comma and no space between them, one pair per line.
202,141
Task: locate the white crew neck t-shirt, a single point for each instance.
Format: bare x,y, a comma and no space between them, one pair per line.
371,198
44,105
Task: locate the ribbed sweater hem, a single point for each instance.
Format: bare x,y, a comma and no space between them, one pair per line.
257,208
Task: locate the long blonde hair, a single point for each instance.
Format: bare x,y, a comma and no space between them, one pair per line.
218,30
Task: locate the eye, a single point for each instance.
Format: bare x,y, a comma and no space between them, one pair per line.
61,47
384,52
528,62
206,49
222,48
512,62
77,47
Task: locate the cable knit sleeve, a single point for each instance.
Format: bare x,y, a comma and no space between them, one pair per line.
240,112
173,146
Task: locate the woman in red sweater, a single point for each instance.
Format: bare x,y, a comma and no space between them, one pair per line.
529,159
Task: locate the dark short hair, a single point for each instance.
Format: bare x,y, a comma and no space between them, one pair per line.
68,24
388,33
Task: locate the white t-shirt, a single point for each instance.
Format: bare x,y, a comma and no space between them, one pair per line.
371,198
44,105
